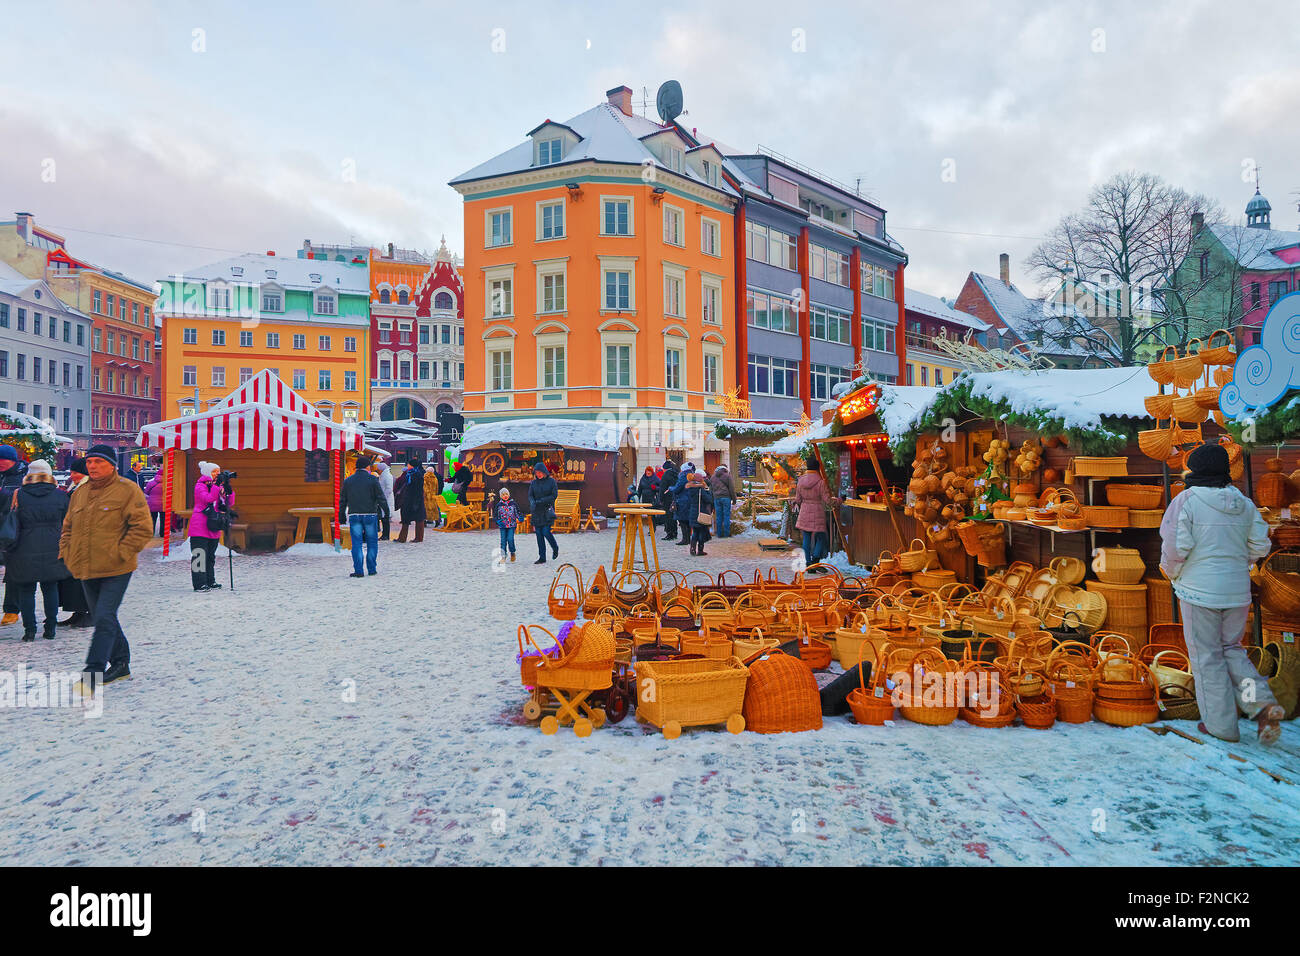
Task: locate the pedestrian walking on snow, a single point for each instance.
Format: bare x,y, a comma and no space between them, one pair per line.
362,502
542,492
385,476
106,527
724,493
40,507
12,472
507,516
812,497
410,499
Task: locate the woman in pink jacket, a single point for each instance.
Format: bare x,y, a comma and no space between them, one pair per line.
812,497
204,538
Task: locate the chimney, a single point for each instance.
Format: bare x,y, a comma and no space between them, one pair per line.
270,252
1004,269
25,222
306,248
621,97
1198,223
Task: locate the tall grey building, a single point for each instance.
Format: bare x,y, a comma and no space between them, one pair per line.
44,356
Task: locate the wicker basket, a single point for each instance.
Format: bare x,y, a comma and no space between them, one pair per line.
713,610
1105,516
915,558
913,706
1068,570
1221,354
691,693
1118,565
781,695
934,578
1101,467
1279,591
1162,369
709,644
1073,701
1088,606
598,593
1178,703
870,705
1145,517
564,599
1135,496
1126,610
1188,409
1037,712
1160,600
1120,713
678,613
1159,406
629,588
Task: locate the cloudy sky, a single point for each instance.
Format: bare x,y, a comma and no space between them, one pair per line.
160,136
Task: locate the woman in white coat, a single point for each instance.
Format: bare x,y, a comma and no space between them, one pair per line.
386,485
1210,536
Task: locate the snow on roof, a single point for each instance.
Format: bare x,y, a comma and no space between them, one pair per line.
1026,317
597,436
1079,397
1251,247
25,424
917,301
608,135
793,444
287,272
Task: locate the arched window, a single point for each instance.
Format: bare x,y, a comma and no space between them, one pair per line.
385,296
403,297
444,409
400,409
443,300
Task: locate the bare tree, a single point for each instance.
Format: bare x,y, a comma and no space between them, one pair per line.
1135,229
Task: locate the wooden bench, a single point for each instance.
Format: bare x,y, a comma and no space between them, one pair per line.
568,512
239,537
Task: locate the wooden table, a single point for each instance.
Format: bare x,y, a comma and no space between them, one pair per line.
635,523
305,515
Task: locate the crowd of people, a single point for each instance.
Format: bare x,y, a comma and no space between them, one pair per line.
696,506
77,546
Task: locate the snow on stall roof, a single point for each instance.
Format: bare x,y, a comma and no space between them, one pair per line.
902,405
793,444
597,436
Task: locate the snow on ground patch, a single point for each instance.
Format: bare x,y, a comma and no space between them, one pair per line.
310,549
309,718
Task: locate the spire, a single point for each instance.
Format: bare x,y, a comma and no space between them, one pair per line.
443,254
1258,209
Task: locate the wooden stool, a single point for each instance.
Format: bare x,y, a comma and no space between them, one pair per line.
283,535
634,522
239,537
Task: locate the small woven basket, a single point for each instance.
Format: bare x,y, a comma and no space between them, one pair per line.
1037,712
1135,496
1145,517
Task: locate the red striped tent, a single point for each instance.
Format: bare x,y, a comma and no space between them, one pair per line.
263,414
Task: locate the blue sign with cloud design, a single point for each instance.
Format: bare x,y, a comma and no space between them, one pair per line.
1265,372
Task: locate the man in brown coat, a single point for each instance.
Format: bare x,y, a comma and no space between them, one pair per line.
107,525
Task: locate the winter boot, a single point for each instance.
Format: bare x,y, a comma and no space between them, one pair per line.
117,672
29,635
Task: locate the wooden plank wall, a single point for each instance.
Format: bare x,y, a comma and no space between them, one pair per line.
269,483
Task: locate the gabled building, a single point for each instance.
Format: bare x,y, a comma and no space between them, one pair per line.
123,372
598,265
1236,273
1060,333
417,318
305,319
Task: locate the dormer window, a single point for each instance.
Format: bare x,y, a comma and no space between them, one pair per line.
403,297
218,296
548,151
674,159
325,303
710,173
385,296
237,271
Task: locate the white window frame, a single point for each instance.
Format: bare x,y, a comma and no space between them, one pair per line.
498,274
711,350
537,153
674,277
675,345
674,217
631,216
325,302
218,376
712,284
492,381
544,205
631,363
488,214
711,227
626,264
552,269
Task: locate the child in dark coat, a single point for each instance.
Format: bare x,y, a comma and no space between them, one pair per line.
507,516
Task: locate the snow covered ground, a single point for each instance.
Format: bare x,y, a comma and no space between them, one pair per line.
312,718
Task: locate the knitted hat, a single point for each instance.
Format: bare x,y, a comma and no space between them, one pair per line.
78,466
106,452
208,468
8,453
39,466
363,463
1208,466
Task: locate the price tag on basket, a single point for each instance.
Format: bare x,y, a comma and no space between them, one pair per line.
1288,637
880,692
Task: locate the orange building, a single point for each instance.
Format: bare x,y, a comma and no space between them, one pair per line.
598,278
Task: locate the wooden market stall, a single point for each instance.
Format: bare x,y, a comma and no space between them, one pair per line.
287,456
593,463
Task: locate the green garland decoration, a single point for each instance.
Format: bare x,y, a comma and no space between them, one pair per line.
1279,423
724,430
956,403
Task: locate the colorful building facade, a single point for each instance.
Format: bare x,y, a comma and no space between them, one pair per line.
124,374
931,321
307,320
599,278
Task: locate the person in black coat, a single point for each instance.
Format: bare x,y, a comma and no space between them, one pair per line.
410,501
666,484
12,472
41,507
647,489
681,507
362,504
460,481
542,492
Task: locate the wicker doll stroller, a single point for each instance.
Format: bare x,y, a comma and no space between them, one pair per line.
584,664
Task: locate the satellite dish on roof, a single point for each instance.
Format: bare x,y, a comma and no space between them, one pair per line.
669,101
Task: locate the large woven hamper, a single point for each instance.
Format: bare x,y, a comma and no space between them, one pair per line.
781,695
1160,600
1126,610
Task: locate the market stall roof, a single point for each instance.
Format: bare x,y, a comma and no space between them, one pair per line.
1081,398
17,424
792,444
263,414
597,436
